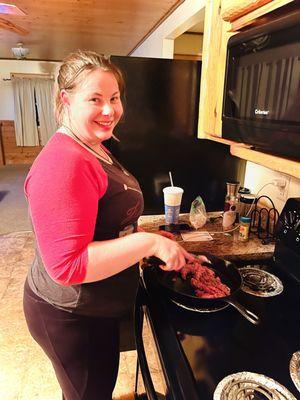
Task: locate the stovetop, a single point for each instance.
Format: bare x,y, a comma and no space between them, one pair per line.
222,343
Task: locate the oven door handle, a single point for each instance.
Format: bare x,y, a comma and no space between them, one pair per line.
142,359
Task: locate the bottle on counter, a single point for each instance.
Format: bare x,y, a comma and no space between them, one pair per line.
231,205
244,228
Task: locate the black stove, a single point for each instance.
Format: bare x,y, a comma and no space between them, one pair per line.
220,355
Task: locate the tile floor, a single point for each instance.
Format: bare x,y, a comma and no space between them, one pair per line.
13,206
25,372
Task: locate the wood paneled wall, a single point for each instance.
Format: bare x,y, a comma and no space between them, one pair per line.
10,152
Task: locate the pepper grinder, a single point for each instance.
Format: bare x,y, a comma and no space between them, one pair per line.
231,205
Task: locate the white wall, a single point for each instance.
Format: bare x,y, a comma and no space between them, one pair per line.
256,176
18,66
184,17
188,44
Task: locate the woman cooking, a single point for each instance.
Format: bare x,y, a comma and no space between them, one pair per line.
82,204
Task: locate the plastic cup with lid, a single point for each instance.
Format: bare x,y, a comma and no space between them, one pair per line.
172,201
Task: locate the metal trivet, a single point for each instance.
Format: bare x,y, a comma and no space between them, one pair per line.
248,385
201,310
259,282
295,369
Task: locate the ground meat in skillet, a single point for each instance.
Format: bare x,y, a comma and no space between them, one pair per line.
204,281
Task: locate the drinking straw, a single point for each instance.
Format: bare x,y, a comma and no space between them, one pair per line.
171,180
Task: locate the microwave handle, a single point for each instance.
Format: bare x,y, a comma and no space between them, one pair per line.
142,359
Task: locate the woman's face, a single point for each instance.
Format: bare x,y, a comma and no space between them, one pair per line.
95,106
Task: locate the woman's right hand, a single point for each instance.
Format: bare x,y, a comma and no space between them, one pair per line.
171,253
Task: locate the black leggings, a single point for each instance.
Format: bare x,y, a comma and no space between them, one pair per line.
84,350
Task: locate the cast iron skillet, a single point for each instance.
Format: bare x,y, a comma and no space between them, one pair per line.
175,288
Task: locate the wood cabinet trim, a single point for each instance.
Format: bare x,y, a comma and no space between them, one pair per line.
289,167
249,18
234,9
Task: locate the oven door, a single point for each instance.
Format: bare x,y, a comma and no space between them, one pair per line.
150,380
162,369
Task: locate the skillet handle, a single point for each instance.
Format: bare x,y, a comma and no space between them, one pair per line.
155,261
246,313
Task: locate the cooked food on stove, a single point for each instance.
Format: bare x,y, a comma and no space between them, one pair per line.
204,280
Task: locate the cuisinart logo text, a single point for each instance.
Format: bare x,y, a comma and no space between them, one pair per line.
261,112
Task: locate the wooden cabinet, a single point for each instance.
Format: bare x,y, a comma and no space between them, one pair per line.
216,35
233,9
253,15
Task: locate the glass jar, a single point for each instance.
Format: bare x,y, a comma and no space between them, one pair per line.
244,228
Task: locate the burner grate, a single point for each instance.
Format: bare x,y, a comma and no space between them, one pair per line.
251,386
260,283
295,369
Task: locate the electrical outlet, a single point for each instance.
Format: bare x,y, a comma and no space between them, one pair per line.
282,191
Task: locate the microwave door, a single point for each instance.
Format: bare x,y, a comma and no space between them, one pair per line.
243,97
250,86
292,90
261,100
280,83
272,86
285,88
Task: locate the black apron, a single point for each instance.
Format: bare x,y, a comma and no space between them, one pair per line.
118,212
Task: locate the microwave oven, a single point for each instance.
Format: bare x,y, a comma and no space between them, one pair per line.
261,103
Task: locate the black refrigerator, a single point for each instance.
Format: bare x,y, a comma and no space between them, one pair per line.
158,134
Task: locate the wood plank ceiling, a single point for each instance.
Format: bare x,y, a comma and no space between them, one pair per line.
57,27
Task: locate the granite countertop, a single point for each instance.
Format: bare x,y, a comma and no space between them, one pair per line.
223,245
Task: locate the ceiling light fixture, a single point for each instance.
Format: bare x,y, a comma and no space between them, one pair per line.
10,9
20,52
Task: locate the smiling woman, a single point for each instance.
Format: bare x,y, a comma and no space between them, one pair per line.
85,274
95,109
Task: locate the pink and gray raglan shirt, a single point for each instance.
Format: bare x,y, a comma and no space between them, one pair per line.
74,198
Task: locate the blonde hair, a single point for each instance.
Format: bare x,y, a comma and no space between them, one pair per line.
72,70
